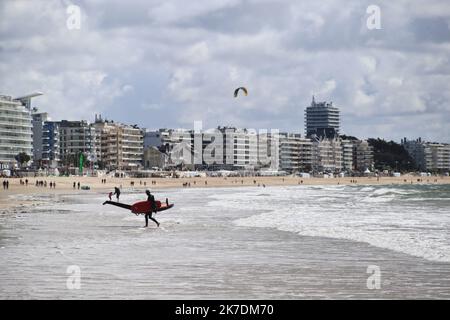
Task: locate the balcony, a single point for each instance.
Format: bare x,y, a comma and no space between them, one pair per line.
16,124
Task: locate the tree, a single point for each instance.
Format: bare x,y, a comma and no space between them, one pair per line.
345,137
101,164
391,156
22,158
70,160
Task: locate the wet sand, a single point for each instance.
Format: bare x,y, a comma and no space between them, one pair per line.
198,253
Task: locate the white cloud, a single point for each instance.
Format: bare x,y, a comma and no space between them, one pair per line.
197,53
182,62
395,82
369,64
327,89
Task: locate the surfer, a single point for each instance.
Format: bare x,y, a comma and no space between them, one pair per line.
151,199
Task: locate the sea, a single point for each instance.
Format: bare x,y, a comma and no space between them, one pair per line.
292,242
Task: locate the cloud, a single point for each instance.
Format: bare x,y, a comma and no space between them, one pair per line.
168,63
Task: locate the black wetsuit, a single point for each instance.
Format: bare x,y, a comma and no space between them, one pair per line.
117,193
151,199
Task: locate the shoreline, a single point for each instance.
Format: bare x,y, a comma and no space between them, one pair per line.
64,185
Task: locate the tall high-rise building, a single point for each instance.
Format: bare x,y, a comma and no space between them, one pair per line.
15,128
322,120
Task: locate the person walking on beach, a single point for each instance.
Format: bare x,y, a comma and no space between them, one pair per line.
153,209
117,193
79,185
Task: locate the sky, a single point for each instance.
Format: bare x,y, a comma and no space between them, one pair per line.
166,64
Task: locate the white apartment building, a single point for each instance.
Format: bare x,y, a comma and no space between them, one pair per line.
241,148
179,144
362,156
15,129
295,153
437,156
327,155
347,155
118,146
429,156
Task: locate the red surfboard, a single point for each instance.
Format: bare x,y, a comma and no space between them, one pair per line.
141,207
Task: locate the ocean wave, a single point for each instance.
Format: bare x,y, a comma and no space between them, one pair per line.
433,247
379,216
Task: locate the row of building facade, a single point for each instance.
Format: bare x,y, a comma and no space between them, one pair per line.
110,145
428,156
115,146
233,148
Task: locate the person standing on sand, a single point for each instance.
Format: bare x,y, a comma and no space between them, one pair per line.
153,209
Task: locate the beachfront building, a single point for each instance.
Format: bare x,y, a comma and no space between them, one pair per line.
153,138
118,146
416,149
15,129
322,120
155,159
212,149
437,157
179,145
347,156
240,148
269,150
327,155
45,141
429,156
362,156
75,138
295,153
